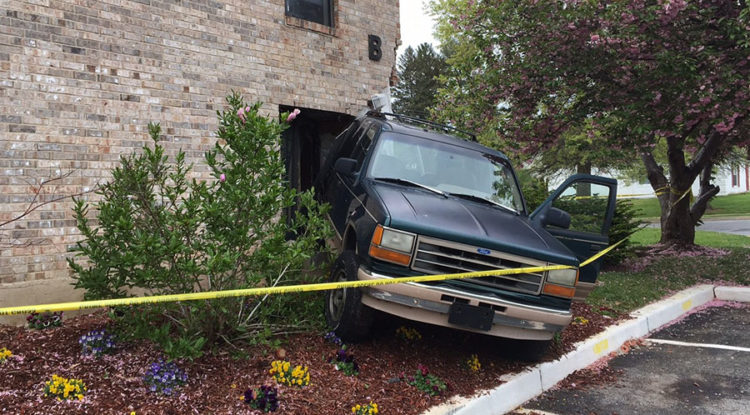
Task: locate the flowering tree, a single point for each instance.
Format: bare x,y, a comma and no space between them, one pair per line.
639,71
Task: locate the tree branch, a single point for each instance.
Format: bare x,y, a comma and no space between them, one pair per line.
35,204
701,203
654,172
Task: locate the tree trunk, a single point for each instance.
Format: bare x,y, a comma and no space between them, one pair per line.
678,217
677,227
583,189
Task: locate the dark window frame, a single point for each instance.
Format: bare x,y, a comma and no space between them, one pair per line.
735,171
296,8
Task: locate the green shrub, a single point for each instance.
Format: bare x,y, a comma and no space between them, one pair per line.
161,233
534,189
624,224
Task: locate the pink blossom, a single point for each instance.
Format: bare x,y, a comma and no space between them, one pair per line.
292,115
595,38
723,127
222,177
241,113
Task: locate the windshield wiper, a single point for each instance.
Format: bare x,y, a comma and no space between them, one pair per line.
483,200
409,183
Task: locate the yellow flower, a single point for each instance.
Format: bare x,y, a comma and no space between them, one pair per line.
580,320
4,354
473,363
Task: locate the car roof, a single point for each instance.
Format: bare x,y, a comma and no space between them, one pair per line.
421,131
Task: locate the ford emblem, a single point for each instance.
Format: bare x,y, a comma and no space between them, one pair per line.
484,251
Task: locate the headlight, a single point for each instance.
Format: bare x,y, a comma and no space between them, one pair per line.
563,276
392,245
399,241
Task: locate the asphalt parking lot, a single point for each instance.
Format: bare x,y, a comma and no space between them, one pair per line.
698,365
734,226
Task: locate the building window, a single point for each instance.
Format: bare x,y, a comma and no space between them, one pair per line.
318,11
735,176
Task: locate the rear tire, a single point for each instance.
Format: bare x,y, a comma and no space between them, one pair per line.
345,314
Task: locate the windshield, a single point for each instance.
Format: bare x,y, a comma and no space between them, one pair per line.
448,168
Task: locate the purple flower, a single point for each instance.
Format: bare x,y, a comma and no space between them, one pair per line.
222,178
331,337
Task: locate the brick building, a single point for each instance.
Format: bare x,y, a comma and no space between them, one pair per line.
81,79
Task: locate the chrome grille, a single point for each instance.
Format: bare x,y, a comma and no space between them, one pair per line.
436,256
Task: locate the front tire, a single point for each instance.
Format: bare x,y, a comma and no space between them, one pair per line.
345,314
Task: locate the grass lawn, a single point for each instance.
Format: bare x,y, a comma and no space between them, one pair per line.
729,205
628,291
650,236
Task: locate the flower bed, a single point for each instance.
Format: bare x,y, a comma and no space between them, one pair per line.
222,383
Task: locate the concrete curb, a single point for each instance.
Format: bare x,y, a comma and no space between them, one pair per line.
733,293
524,386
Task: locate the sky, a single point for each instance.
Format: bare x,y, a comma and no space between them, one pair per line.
416,25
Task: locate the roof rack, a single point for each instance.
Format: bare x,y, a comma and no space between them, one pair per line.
419,121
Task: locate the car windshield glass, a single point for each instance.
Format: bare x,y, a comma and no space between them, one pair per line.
445,167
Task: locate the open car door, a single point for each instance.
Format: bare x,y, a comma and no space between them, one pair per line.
590,202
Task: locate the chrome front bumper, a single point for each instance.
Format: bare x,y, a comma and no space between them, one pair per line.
431,304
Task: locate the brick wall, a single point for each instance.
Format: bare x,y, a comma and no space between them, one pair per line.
81,79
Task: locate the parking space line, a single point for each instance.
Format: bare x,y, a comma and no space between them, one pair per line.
532,411
706,345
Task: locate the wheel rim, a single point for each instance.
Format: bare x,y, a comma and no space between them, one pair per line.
337,299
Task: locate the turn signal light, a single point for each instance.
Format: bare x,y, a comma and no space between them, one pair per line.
388,255
559,290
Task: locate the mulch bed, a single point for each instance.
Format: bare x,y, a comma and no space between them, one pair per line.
217,382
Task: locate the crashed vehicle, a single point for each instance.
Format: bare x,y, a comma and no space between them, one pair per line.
410,197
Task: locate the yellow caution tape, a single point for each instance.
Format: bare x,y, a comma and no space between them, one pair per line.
602,253
210,295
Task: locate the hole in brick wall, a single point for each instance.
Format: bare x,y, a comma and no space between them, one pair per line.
306,142
305,145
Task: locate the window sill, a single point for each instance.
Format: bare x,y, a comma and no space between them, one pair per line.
308,25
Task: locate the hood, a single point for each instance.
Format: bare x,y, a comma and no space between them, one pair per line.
473,223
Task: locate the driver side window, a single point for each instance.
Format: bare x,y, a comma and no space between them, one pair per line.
363,144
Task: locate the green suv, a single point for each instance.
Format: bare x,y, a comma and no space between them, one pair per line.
409,197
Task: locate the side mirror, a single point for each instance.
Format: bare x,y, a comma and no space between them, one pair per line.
556,217
345,166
